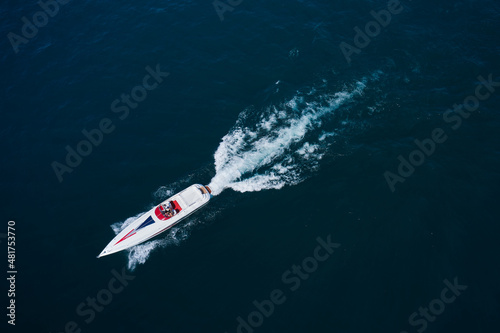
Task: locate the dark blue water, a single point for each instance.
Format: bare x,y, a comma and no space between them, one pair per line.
299,138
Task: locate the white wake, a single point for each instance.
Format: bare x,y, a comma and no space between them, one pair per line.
276,150
139,254
266,149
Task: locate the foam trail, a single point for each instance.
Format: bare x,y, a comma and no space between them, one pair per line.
139,254
119,226
274,152
269,150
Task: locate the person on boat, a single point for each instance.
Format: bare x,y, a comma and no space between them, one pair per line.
172,208
165,210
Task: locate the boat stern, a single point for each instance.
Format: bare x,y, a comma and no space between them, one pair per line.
205,189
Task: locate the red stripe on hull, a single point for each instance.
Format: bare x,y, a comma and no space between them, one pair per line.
126,236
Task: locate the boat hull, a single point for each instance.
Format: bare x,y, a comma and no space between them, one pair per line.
155,222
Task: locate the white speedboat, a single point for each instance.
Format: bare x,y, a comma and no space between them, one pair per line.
160,218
